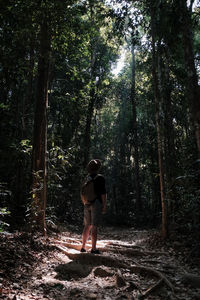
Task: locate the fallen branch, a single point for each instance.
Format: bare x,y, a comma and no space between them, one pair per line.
151,289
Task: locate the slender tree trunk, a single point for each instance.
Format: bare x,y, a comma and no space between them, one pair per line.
158,121
193,89
135,133
29,94
92,97
87,138
115,203
40,131
168,130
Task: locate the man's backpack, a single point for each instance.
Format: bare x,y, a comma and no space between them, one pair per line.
88,194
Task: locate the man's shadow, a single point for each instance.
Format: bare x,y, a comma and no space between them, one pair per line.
72,270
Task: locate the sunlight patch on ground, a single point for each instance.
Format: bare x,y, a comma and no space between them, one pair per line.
62,257
105,242
72,251
50,278
140,241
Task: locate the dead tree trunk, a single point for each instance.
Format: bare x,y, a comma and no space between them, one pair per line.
40,132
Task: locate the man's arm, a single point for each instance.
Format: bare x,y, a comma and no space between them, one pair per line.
104,198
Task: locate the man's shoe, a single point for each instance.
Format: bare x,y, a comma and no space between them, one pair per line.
95,251
83,250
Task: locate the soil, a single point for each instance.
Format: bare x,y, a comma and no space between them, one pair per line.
133,264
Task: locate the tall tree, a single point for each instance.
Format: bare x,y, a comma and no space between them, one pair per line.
40,126
135,128
155,58
193,89
169,134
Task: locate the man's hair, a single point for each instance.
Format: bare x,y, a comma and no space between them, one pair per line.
93,166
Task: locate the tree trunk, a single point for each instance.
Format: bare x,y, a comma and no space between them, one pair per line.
92,96
27,102
87,138
158,121
168,130
193,89
135,134
40,132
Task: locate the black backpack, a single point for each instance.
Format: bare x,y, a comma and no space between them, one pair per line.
88,194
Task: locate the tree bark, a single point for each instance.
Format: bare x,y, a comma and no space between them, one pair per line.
27,102
87,138
40,131
193,89
158,121
135,133
92,96
168,130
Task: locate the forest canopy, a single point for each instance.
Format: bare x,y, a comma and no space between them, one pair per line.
61,105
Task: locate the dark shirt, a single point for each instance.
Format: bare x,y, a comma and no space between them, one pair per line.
99,185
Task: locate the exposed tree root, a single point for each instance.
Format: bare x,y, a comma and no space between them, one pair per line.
70,245
142,269
78,246
119,244
96,260
153,261
68,240
88,258
102,247
134,252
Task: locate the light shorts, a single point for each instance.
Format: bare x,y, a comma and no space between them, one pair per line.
92,213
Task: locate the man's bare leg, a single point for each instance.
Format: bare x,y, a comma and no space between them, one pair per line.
94,236
85,235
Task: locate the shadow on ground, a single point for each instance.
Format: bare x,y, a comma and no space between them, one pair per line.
72,270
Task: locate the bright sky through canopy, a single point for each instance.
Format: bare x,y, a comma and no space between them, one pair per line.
119,64
117,67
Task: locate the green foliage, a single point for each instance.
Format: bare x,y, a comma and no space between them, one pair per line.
187,213
4,211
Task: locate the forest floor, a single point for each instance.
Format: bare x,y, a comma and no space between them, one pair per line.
133,264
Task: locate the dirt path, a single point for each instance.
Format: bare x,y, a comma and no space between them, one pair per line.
130,266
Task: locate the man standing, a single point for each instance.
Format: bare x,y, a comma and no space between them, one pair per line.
93,211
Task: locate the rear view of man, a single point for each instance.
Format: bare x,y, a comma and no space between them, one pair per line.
94,209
